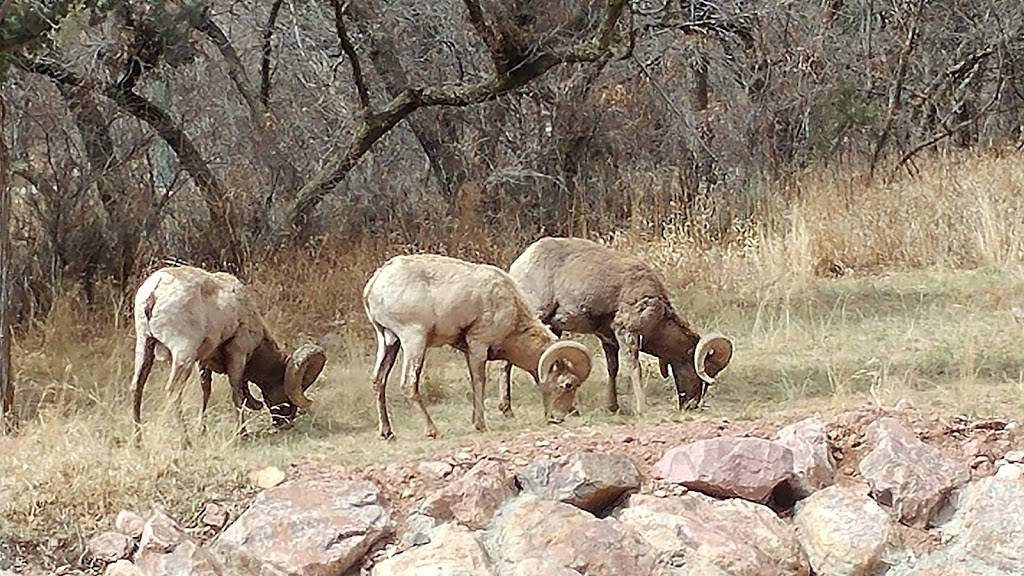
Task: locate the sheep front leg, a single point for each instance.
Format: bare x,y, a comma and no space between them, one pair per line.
631,343
611,358
506,392
234,365
412,367
476,360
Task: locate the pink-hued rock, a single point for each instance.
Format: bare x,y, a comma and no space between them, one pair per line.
110,546
560,537
129,523
842,531
710,536
310,526
908,476
473,499
748,468
167,550
813,465
587,480
215,516
122,568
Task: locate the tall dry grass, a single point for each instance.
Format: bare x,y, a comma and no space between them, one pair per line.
836,289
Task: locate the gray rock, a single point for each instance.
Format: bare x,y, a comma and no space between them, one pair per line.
129,523
110,546
452,551
710,536
558,536
122,568
587,480
308,526
167,550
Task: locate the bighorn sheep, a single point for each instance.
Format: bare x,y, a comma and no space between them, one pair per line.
188,316
428,301
580,286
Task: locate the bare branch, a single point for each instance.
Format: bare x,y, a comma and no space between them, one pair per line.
268,35
374,126
350,53
235,69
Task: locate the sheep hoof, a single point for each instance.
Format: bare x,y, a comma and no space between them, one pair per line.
253,404
387,435
506,411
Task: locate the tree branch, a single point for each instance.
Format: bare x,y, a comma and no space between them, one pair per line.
235,69
210,188
371,128
268,35
350,53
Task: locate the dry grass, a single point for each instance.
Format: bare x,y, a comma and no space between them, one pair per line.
930,268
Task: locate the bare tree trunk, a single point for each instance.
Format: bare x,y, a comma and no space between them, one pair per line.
6,383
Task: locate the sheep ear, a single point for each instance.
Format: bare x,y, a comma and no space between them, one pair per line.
663,365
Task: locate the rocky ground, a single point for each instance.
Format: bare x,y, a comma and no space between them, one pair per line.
856,492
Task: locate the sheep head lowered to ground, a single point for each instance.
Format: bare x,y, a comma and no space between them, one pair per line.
580,286
190,316
426,301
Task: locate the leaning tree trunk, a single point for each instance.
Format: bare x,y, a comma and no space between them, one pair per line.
6,383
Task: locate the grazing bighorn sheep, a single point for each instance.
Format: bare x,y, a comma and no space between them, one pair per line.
428,301
190,316
580,286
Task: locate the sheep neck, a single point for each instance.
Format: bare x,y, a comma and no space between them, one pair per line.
673,339
525,348
266,365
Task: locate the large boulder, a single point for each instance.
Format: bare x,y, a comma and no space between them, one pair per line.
167,550
748,468
843,531
311,527
587,480
452,551
813,465
906,475
559,536
473,499
986,536
729,537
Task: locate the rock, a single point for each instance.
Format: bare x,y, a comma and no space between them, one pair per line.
473,499
1014,456
748,468
540,567
988,536
308,526
813,466
268,477
122,568
110,546
452,551
842,531
710,536
129,523
910,477
992,529
167,550
417,530
215,516
560,536
587,480
434,470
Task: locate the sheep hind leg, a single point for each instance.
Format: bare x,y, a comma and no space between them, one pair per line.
206,383
144,354
631,343
181,370
412,367
387,352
